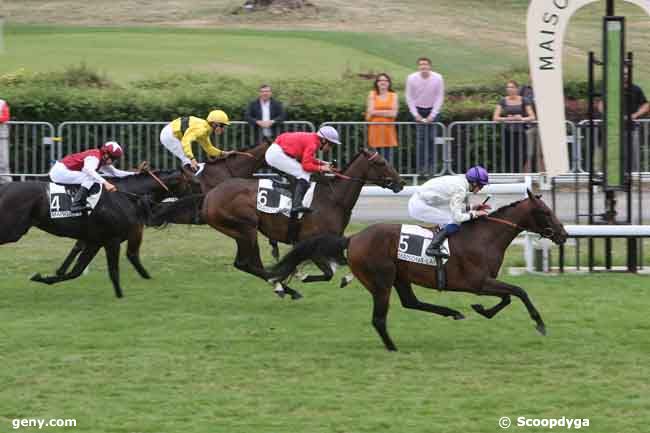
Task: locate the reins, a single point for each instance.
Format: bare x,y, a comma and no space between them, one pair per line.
157,179
506,222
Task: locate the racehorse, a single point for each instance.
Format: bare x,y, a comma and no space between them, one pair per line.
231,209
116,217
242,164
477,252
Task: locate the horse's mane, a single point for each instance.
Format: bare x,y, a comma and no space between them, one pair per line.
246,149
352,160
142,175
508,206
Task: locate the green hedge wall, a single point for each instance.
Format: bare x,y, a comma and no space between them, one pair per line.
78,93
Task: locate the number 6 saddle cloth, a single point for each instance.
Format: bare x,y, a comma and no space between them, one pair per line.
274,197
413,242
61,197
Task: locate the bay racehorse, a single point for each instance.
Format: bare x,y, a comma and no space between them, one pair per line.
242,164
231,208
477,252
115,218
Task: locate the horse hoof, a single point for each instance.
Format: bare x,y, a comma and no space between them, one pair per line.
344,282
458,316
36,277
280,293
541,329
296,295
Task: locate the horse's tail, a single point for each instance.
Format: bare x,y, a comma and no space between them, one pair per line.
328,246
186,210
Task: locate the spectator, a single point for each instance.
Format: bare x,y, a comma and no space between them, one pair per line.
425,91
638,107
382,106
535,157
265,115
515,110
4,142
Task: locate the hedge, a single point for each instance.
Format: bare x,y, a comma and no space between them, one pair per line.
79,93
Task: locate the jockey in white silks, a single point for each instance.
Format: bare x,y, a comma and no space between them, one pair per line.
441,201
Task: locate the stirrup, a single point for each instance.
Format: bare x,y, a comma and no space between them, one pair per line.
436,252
200,170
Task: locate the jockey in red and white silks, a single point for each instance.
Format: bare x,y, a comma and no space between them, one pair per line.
441,201
294,153
82,168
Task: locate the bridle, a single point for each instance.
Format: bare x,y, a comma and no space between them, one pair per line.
384,182
547,232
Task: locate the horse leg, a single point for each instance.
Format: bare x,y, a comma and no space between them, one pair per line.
381,300
248,260
87,255
491,312
410,301
133,251
72,255
493,287
327,267
113,260
275,251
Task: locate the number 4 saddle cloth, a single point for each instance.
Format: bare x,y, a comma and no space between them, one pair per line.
61,197
413,242
274,197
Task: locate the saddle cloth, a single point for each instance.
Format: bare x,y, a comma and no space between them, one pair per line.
274,198
61,197
413,242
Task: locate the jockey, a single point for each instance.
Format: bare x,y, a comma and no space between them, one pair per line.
294,153
178,136
442,201
81,168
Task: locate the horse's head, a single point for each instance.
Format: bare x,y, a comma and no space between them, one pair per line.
381,172
540,219
172,183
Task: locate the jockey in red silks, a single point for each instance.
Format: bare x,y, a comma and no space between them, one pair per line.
441,201
82,168
294,153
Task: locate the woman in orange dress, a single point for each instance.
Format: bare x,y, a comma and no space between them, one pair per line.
382,107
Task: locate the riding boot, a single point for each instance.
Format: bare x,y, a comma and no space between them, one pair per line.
434,247
79,202
298,194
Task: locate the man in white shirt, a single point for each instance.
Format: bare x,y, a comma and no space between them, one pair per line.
425,92
265,115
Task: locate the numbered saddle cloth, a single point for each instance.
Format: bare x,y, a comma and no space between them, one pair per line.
274,198
61,197
413,242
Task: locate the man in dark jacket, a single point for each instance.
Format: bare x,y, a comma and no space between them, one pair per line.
265,115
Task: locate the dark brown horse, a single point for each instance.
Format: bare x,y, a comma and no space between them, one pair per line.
477,252
231,208
242,164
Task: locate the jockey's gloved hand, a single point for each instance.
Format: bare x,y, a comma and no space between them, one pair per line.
483,206
144,166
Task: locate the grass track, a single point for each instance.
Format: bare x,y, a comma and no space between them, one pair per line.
205,348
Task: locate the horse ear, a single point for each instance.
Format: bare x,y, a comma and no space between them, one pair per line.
530,194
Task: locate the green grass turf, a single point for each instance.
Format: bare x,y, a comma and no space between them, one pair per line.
205,348
125,54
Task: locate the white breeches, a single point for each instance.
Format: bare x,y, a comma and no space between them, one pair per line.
421,211
173,144
59,173
276,158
